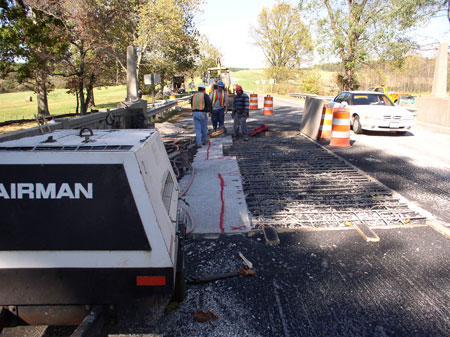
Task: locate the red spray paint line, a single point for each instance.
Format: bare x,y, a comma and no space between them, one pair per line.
207,151
237,228
222,211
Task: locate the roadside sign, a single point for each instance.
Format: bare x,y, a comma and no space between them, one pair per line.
150,79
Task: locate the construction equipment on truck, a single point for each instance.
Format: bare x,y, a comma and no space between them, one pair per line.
216,74
406,100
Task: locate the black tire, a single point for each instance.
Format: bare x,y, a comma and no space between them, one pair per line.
180,284
180,287
357,125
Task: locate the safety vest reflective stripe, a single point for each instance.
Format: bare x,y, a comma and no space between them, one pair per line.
221,98
197,101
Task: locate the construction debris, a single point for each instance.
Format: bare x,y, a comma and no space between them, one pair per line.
217,133
271,235
247,262
214,277
257,130
205,316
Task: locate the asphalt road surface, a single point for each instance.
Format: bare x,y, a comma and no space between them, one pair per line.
328,283
331,283
416,165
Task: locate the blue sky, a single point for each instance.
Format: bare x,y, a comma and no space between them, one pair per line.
227,24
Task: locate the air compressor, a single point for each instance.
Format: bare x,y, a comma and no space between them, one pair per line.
89,217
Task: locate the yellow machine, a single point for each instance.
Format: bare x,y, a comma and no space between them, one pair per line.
216,74
396,98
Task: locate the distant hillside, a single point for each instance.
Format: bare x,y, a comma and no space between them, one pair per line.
237,69
305,81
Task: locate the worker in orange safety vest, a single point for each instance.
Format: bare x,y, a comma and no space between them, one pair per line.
219,99
201,104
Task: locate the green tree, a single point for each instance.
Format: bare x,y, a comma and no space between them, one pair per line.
30,44
163,32
166,36
84,23
283,37
209,56
357,31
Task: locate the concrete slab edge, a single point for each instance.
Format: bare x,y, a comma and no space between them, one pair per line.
367,233
440,228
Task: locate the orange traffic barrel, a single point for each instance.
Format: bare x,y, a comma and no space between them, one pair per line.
340,131
268,105
326,122
253,101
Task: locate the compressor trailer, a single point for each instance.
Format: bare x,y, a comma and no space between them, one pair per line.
88,218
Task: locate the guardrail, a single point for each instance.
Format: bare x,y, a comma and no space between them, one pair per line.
119,118
301,95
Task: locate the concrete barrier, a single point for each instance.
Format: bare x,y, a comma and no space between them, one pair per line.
312,115
433,110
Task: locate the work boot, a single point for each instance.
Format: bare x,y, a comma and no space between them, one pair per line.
198,146
205,142
246,139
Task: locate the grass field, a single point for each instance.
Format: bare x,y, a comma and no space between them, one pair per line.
14,106
247,79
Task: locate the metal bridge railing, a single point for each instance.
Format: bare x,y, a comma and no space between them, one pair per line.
109,119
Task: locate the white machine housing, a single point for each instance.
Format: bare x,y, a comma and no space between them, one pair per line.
86,207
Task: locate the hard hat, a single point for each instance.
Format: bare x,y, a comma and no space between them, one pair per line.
220,84
239,88
201,86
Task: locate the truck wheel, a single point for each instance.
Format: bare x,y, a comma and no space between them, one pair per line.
357,125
